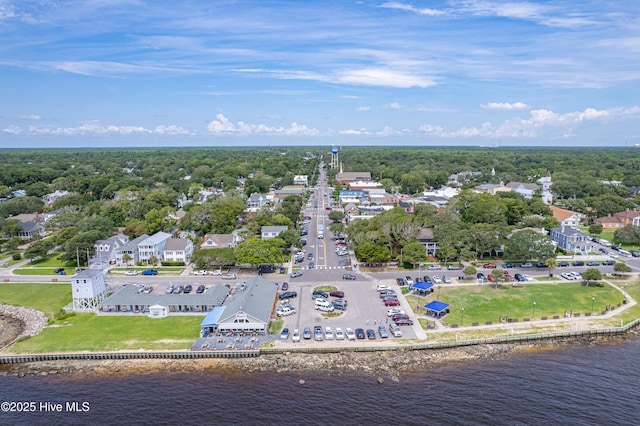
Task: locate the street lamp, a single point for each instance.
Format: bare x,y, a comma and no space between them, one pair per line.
593,300
462,318
533,313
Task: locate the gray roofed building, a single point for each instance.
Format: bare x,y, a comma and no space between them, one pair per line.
249,308
131,249
269,232
130,299
178,250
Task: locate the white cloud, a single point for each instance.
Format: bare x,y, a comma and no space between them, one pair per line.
384,77
353,132
223,126
394,105
410,8
505,106
33,117
386,131
95,128
363,108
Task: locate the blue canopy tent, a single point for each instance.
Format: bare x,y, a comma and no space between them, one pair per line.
210,323
437,309
422,287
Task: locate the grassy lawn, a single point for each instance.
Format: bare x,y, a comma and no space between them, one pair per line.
47,298
89,332
40,271
79,332
486,303
50,261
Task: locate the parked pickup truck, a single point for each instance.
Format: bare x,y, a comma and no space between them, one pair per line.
229,277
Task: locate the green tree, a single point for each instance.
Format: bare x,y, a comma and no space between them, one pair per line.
126,258
336,216
414,252
621,267
39,249
630,234
12,244
595,229
370,252
255,251
528,245
591,274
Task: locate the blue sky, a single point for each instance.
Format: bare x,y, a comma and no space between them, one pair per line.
111,73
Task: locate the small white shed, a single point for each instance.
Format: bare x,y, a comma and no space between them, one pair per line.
158,311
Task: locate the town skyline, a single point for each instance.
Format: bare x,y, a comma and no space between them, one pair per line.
277,73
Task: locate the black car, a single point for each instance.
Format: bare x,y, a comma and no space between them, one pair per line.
285,286
348,277
188,288
603,251
563,263
400,281
593,263
577,263
288,295
371,334
359,333
339,307
541,265
200,289
481,277
609,262
508,266
519,277
320,294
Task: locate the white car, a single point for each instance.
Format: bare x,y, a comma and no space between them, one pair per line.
350,334
295,337
381,287
339,334
527,277
436,279
200,272
216,272
395,330
328,333
131,273
393,311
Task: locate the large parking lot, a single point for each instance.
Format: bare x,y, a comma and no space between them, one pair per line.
365,310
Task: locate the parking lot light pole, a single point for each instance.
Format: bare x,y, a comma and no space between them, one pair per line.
533,313
462,318
593,300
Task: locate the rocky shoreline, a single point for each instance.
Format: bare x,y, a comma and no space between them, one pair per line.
16,321
383,364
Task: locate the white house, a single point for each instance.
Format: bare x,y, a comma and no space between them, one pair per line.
152,247
130,249
269,232
220,241
178,250
105,250
88,289
51,198
301,180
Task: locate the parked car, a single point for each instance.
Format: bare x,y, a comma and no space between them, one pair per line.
285,286
527,265
339,334
454,267
149,272
306,333
319,294
58,270
295,337
436,279
348,277
382,331
128,273
603,251
409,280
178,289
371,335
519,277
188,288
395,330
446,279
350,334
200,272
317,333
400,281
404,321
608,262
382,287
391,303
593,263
563,264
394,311
284,335
434,267
200,289
296,274
399,316
328,333
359,333
577,263
481,277
287,295
508,266
489,266
169,289
337,294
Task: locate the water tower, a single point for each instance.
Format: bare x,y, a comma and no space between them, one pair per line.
334,157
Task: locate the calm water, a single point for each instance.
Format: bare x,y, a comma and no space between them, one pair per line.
580,385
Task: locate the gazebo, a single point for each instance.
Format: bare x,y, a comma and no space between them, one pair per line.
436,309
422,288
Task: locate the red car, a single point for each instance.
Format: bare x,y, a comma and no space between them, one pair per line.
491,278
489,266
399,316
391,303
336,294
403,321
